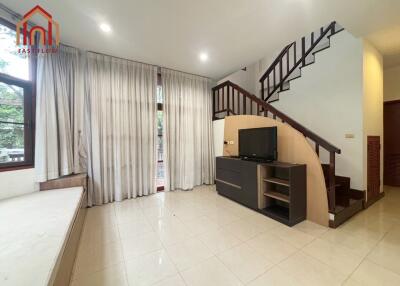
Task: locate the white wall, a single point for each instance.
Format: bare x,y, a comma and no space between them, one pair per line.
245,79
391,83
373,101
328,99
218,132
15,183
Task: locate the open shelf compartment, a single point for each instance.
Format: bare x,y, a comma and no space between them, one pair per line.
282,192
277,196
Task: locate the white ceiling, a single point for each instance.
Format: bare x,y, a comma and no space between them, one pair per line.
234,33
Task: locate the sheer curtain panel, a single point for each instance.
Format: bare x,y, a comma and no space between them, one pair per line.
59,114
188,130
121,109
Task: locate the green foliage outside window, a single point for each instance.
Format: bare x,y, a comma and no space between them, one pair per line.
11,110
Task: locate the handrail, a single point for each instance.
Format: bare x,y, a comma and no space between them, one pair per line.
275,62
331,27
296,125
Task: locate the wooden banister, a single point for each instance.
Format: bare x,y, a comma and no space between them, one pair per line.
278,114
284,55
275,62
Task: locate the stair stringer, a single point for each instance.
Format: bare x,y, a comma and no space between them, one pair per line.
292,147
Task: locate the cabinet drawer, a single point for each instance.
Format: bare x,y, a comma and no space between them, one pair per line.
228,164
226,189
230,176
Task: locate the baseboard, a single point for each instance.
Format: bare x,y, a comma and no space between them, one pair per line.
370,202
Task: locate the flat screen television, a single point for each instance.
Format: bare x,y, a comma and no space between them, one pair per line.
259,143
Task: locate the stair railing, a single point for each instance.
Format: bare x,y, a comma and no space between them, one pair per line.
287,61
230,99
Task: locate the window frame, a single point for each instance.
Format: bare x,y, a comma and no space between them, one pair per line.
29,87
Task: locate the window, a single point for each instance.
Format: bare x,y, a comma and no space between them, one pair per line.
160,145
16,102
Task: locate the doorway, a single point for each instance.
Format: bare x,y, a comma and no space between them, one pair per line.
391,122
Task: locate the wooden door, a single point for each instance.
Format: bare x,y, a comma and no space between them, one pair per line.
373,166
391,138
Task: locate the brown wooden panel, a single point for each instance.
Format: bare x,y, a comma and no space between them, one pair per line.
373,166
391,171
69,181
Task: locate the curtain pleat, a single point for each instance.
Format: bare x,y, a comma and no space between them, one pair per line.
121,107
58,114
188,130
98,114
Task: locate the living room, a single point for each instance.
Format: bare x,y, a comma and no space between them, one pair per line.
199,143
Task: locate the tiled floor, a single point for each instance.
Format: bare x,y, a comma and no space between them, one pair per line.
200,238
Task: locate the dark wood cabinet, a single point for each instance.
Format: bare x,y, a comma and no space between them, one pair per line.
276,189
237,179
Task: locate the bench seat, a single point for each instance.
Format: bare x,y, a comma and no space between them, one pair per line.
34,232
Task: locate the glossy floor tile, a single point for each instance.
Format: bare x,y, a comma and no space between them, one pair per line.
200,238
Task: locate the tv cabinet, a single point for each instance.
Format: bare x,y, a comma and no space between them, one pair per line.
277,190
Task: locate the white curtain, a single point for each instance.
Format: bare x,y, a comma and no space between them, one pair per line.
188,130
121,109
59,104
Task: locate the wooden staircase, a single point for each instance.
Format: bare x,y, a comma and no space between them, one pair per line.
231,99
290,61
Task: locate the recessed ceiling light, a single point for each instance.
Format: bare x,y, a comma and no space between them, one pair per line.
203,57
105,27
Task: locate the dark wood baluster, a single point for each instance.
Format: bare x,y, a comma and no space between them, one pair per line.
274,116
274,82
317,148
267,87
332,186
321,31
227,101
303,50
287,61
281,73
262,89
233,101
218,109
223,99
262,92
258,109
312,38
244,104
251,107
213,104
294,53
333,28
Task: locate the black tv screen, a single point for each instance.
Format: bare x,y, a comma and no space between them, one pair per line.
258,143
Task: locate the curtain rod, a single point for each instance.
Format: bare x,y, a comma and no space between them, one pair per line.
158,66
14,14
